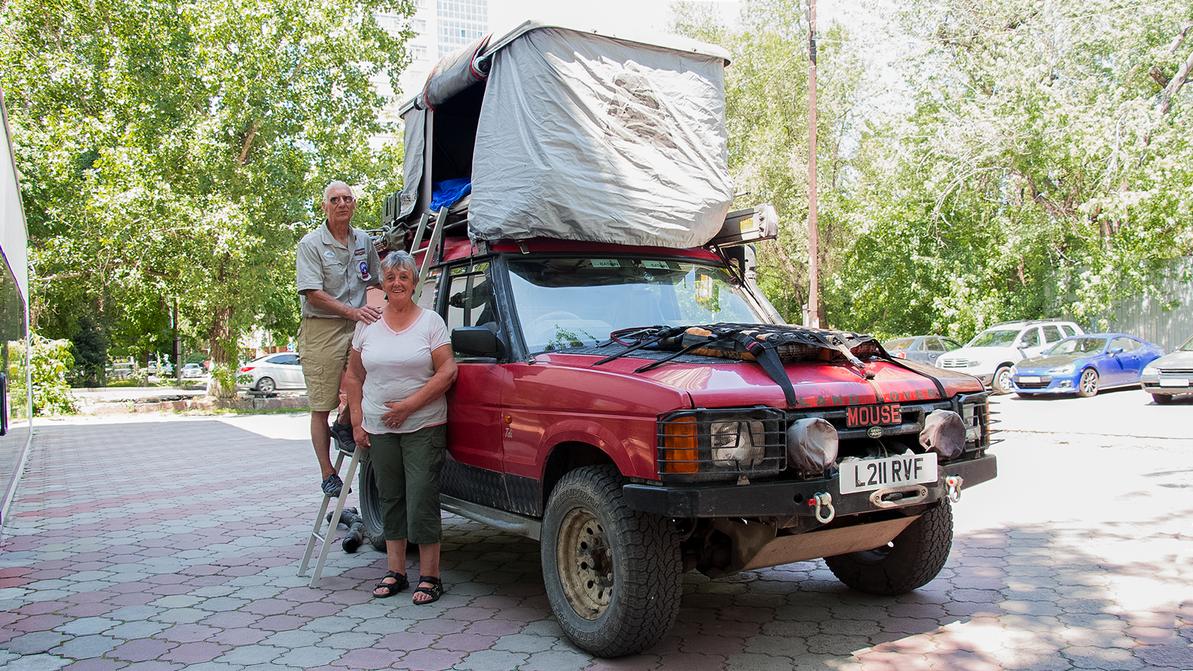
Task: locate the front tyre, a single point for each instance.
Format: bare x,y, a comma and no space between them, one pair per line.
1088,384
1001,382
1163,399
613,575
266,385
909,561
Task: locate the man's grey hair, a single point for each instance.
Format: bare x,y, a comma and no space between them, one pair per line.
399,261
333,184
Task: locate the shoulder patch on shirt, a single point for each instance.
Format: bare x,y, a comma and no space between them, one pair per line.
360,252
329,254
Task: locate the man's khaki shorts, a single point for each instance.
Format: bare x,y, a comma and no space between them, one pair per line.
323,350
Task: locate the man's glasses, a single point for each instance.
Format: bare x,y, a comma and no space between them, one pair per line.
336,200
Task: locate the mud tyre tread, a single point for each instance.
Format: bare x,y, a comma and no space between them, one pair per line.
648,570
370,503
917,556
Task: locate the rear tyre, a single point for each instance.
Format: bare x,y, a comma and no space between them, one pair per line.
266,385
1163,399
1001,382
1088,384
910,561
613,575
370,503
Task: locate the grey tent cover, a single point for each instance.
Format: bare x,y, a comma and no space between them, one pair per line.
583,137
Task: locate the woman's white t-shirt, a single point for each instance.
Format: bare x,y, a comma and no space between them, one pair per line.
397,364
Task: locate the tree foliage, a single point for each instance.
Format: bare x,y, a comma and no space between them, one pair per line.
1043,168
175,151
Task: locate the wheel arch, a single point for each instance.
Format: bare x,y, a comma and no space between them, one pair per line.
567,456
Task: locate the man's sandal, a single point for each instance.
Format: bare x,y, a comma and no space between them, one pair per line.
391,588
434,591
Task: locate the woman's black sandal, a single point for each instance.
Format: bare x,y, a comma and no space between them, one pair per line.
434,591
391,588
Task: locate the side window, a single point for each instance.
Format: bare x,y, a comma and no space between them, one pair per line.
429,295
1068,329
1052,333
285,360
933,345
1125,343
470,298
1031,338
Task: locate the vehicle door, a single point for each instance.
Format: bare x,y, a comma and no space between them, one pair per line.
289,371
1030,342
1123,358
474,401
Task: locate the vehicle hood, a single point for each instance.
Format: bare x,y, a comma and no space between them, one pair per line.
1045,363
1177,360
726,384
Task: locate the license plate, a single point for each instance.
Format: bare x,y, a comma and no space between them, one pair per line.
864,475
873,415
1028,378
1173,382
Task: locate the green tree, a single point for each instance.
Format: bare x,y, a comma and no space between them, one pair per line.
176,151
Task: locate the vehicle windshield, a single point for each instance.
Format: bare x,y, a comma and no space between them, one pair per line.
994,338
577,302
1077,346
898,343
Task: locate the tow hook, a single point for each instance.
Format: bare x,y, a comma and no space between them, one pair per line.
952,487
822,506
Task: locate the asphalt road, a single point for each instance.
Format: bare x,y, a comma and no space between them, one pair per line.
166,542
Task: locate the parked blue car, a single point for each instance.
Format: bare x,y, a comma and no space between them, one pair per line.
1085,364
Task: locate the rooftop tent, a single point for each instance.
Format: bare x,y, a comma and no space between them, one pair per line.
575,135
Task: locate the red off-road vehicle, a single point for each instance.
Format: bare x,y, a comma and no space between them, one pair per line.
640,409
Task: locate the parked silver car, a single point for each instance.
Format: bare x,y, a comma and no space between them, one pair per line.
274,371
1171,375
926,348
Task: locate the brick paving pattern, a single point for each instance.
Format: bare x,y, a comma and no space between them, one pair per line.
172,544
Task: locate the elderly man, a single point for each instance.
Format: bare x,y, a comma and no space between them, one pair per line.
335,265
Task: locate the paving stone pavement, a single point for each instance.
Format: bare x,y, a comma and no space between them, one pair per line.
173,543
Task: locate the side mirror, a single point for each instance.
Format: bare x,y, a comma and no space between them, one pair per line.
476,341
1116,350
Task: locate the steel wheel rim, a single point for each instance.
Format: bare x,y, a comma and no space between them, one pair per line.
1089,382
585,563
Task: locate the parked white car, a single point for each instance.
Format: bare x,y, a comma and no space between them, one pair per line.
274,371
191,371
991,353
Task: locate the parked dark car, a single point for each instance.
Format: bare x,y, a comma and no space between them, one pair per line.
1085,364
926,348
1171,376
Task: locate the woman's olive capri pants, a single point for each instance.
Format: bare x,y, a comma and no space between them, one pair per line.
407,467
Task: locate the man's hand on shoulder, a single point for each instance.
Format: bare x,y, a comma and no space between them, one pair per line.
366,315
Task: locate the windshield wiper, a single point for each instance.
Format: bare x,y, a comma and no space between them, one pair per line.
650,335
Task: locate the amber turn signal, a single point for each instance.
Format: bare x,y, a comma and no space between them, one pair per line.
680,453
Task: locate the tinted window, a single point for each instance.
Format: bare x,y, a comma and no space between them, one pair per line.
898,343
1052,333
1127,344
933,345
1031,338
284,359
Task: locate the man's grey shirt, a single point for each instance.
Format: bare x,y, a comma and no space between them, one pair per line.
344,272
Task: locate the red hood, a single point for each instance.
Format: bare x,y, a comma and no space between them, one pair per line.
816,384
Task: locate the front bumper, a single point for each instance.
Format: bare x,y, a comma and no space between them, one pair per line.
783,499
1048,384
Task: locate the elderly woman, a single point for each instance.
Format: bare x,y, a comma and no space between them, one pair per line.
398,372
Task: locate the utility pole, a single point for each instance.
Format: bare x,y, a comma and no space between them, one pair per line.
813,228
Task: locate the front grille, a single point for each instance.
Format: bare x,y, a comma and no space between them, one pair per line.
1044,382
912,416
1176,372
957,363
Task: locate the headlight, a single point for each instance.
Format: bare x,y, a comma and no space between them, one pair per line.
721,444
1014,370
1062,370
737,444
1151,371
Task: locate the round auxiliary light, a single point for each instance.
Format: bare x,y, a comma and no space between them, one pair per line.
811,444
943,433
